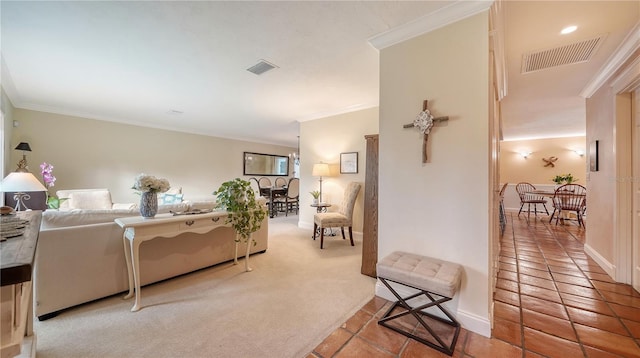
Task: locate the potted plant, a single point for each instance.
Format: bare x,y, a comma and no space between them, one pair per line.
316,195
245,214
563,179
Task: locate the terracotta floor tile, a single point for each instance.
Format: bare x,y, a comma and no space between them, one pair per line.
549,345
615,287
508,267
585,303
578,290
566,271
507,285
539,259
537,273
596,320
508,275
374,305
479,346
507,331
415,349
591,267
505,311
548,324
507,260
633,326
543,306
568,266
537,281
599,276
621,299
542,293
333,343
598,353
383,337
530,354
627,312
505,296
574,280
359,348
311,355
608,341
357,321
532,265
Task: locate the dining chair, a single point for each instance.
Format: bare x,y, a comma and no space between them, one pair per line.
568,198
255,185
524,190
342,218
280,182
503,215
291,199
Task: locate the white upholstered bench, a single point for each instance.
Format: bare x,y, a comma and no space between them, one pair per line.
432,277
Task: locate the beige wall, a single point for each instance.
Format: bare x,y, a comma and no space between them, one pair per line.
89,153
514,168
439,209
323,140
601,187
7,110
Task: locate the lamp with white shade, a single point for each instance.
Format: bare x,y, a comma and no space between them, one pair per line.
320,170
21,183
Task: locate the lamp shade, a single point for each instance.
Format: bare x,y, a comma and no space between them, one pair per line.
24,146
320,170
21,182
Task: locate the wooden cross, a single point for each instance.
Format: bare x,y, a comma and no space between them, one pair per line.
424,122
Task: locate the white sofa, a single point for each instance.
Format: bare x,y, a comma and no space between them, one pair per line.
80,253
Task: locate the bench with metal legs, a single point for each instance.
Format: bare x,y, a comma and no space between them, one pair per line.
436,280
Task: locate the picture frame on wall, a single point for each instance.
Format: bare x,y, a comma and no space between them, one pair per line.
349,163
594,156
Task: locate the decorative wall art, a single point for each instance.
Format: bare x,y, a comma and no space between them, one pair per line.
593,156
349,163
549,162
424,122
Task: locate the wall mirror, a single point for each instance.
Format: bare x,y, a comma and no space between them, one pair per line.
265,164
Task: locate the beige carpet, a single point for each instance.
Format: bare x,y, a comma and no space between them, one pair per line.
296,295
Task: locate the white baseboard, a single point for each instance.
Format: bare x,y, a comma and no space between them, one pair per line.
607,266
468,321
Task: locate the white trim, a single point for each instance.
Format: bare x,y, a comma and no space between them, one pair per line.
607,266
442,17
468,320
629,79
630,44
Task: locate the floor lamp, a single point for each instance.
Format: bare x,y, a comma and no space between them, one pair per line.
320,170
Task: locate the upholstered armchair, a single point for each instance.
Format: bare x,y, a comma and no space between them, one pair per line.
342,218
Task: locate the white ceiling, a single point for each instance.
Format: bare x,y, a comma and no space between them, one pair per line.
139,62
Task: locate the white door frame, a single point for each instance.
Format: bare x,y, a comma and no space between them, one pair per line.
625,225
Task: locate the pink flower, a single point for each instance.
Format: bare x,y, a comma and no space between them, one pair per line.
47,175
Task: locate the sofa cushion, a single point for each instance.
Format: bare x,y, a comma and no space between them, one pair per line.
85,199
78,217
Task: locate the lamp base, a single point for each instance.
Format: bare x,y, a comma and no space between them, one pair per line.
20,198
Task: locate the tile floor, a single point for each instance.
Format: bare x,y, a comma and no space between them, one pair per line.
551,300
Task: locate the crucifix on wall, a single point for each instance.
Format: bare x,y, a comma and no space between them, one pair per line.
424,122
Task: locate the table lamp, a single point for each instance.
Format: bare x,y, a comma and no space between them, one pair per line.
20,183
320,170
22,164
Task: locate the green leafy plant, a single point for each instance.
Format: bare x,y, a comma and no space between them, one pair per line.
315,194
564,179
245,214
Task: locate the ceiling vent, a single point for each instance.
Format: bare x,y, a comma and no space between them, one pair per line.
577,52
261,67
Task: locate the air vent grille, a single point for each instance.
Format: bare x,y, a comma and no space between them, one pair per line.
577,52
261,67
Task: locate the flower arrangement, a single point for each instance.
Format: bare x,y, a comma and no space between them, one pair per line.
53,202
564,179
148,183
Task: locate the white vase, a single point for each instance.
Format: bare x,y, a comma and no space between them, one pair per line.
315,201
148,204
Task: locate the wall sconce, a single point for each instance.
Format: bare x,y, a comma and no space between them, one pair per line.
22,164
525,155
579,152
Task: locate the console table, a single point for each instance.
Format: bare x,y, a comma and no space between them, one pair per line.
16,267
138,229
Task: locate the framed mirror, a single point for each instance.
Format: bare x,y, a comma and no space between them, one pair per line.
265,164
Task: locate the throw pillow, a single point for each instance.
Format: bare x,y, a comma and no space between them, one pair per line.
166,199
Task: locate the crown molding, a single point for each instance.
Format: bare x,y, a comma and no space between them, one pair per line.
629,45
442,17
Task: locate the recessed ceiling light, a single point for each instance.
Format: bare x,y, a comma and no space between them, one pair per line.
569,29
